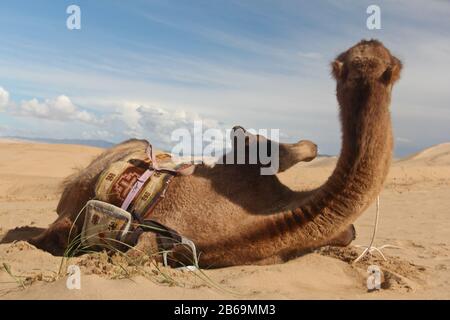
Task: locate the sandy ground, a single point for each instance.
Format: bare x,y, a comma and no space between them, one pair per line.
415,211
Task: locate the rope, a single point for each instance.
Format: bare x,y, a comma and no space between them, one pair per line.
370,248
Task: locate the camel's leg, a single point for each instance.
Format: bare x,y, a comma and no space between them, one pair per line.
146,246
341,240
181,255
344,238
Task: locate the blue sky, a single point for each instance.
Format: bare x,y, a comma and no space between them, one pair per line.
145,68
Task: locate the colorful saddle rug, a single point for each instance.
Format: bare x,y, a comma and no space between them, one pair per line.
138,182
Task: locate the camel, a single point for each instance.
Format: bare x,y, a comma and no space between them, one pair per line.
79,187
258,220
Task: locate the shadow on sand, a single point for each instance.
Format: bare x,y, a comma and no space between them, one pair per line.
21,234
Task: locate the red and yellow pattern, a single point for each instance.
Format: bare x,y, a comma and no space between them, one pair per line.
116,182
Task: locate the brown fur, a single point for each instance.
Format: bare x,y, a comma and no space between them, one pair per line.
235,216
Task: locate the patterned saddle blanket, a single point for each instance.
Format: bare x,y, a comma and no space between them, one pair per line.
138,182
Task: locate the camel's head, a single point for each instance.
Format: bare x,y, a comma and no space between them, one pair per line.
292,153
367,61
288,153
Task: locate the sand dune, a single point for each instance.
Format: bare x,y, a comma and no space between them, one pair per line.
438,155
414,216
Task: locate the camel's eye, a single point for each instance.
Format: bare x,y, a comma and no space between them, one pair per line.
386,77
391,74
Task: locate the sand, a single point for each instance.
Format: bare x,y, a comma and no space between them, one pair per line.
415,211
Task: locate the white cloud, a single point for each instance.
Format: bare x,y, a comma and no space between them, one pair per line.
130,119
129,114
156,123
4,98
61,109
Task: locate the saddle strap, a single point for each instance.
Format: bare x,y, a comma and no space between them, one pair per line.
166,238
143,178
136,188
139,184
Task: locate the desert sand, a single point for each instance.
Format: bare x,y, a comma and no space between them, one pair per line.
415,211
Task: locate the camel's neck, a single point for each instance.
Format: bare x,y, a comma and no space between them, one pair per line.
365,154
357,179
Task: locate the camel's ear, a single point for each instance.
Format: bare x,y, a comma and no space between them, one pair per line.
240,133
236,129
396,69
337,69
237,132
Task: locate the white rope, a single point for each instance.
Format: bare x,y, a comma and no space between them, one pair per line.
371,248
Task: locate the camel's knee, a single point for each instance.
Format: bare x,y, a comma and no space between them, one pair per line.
344,238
